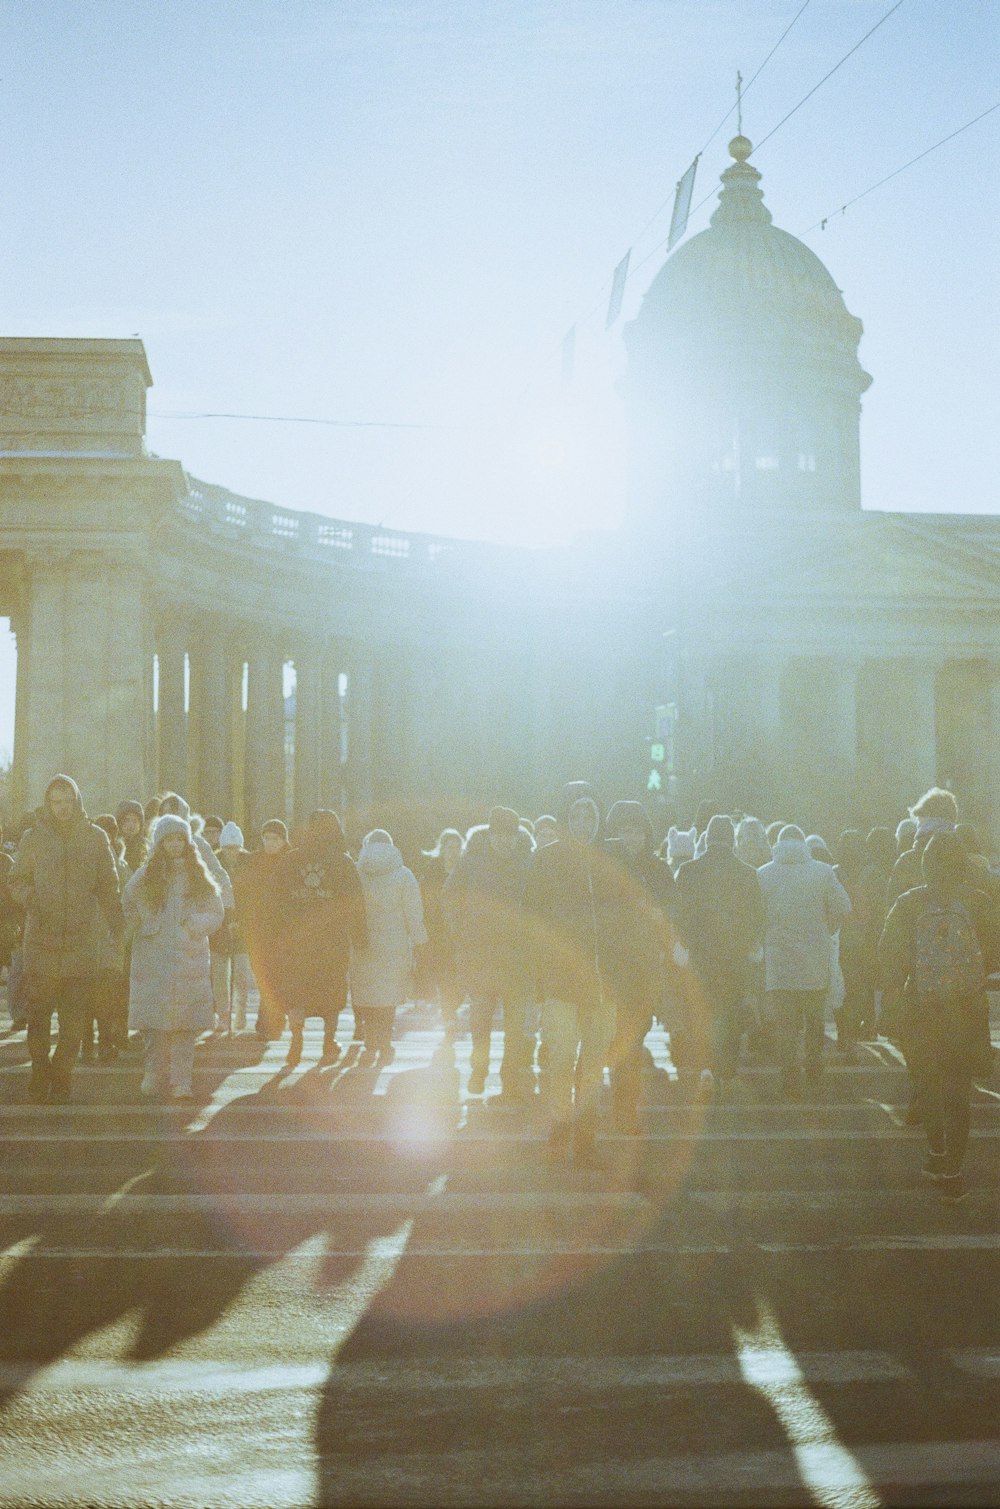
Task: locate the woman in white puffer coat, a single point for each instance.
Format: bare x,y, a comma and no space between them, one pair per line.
172,906
381,973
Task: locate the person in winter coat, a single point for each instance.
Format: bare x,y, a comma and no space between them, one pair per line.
483,902
172,907
320,919
111,985
935,812
680,847
255,885
437,965
805,905
131,822
567,900
172,804
854,952
382,967
940,942
720,922
231,980
64,876
638,948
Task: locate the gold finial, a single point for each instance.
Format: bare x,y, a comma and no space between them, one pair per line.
740,147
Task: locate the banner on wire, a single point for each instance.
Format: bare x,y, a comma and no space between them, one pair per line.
618,281
682,206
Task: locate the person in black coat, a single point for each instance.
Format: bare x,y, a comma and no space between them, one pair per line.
721,923
322,910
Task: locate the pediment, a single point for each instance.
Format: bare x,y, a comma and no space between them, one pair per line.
891,555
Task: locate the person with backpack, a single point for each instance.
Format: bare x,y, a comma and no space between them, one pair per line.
940,942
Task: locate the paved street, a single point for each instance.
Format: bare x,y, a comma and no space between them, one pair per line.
357,1286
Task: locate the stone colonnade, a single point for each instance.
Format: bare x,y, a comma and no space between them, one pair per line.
836,739
222,734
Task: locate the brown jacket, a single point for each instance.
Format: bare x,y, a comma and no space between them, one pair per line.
65,877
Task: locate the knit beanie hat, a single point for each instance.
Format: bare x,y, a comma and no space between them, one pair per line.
231,836
275,825
169,824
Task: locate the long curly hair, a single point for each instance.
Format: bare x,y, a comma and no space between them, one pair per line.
198,883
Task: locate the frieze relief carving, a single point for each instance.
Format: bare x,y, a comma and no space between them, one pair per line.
32,405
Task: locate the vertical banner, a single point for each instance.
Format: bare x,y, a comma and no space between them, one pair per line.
682,206
618,281
569,357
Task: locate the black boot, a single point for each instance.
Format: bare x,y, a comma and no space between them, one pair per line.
294,1048
331,1048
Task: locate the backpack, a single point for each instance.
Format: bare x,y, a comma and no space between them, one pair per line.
948,962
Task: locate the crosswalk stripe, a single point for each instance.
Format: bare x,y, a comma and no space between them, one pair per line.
588,1374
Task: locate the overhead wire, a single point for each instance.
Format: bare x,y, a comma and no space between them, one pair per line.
896,171
601,298
808,96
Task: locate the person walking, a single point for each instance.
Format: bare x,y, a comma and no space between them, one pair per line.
131,822
720,922
172,907
805,905
638,949
64,877
231,978
853,953
320,919
382,966
483,902
437,964
940,942
111,981
566,899
257,889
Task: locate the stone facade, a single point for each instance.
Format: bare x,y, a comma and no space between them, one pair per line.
751,636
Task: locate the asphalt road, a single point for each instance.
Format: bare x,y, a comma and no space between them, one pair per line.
360,1286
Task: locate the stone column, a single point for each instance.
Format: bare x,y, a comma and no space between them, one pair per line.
265,747
307,732
331,732
915,715
360,752
84,683
171,646
213,790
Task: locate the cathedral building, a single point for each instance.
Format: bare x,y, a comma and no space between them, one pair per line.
751,636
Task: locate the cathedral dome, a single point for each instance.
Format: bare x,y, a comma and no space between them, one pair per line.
743,279
743,384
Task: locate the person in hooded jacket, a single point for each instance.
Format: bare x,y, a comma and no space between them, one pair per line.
483,902
638,949
131,821
568,898
172,907
805,905
256,883
720,922
940,942
935,812
382,966
321,918
65,878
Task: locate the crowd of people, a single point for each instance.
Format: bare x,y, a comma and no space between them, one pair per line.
575,930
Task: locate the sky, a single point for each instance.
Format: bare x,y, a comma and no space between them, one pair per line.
391,212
